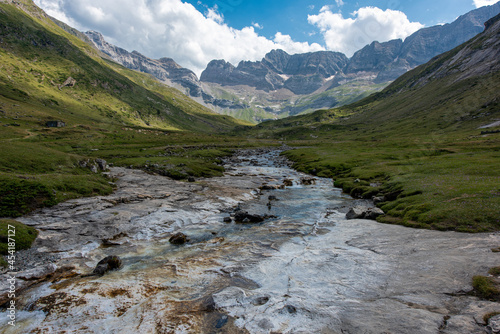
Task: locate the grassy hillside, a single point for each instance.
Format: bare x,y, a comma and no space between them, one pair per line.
110,112
418,145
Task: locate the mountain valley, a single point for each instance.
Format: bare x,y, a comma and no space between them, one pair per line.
216,224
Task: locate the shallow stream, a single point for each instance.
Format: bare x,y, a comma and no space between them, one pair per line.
305,269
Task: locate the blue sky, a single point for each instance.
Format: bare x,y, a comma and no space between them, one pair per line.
194,32
290,16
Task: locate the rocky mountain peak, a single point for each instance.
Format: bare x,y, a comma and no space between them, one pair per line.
165,69
276,60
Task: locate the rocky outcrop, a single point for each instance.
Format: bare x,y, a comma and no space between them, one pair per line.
300,73
165,69
362,212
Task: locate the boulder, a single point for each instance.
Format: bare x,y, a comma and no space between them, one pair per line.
102,164
363,212
288,183
178,239
245,217
271,187
307,181
111,262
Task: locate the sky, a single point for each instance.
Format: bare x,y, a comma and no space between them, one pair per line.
194,32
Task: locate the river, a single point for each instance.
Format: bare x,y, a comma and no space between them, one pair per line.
305,269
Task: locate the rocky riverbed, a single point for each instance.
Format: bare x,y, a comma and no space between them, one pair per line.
304,269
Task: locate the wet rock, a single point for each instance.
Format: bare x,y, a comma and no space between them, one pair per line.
271,186
37,272
227,219
245,217
307,181
111,262
265,324
362,212
288,183
494,324
272,198
222,321
207,304
191,179
178,239
259,301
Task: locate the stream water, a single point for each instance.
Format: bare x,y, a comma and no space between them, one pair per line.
305,269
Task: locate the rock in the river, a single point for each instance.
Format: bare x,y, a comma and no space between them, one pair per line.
363,212
108,263
307,181
178,239
245,217
288,183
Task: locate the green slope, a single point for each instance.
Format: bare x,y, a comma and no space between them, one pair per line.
418,144
38,57
110,112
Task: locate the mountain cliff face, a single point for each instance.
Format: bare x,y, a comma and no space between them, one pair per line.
278,85
165,69
305,73
300,73
391,59
479,57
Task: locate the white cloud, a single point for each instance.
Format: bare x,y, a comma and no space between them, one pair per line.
286,42
170,28
367,24
257,25
481,3
340,3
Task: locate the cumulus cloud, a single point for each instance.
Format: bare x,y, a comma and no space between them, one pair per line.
481,3
170,28
367,24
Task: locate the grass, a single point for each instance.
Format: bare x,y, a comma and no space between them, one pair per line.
22,235
445,186
486,287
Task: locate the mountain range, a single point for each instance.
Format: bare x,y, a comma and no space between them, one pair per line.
281,84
